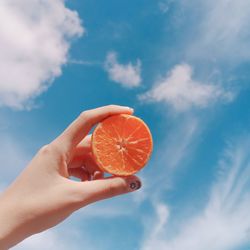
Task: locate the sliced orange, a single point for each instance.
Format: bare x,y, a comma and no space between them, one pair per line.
122,144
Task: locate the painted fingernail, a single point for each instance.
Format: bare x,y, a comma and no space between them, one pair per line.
135,185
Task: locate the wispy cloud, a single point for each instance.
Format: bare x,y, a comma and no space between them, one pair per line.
164,5
128,75
84,63
222,33
182,92
224,221
180,141
173,154
215,31
34,42
155,230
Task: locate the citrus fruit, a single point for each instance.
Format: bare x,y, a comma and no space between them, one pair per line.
122,144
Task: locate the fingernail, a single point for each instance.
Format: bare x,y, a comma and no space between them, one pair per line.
130,109
134,185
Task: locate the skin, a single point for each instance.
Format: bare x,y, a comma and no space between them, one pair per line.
43,195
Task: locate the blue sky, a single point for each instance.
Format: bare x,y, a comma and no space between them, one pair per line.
183,66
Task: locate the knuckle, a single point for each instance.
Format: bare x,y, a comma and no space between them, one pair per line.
54,147
115,188
123,188
85,115
112,106
112,190
49,149
44,150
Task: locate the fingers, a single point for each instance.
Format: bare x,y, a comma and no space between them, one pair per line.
82,125
80,153
83,148
85,161
82,158
92,191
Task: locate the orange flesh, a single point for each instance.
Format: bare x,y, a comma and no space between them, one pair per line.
122,145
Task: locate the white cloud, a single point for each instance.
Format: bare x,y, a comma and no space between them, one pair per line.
182,92
127,75
224,222
34,41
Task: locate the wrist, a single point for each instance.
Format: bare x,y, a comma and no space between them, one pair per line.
12,222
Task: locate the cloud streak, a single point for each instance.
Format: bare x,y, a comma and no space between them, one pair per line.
223,223
34,42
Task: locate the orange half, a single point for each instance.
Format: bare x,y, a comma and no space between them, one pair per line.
122,144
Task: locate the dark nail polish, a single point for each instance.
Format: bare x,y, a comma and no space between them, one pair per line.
135,185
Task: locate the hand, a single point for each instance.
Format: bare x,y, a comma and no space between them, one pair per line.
44,195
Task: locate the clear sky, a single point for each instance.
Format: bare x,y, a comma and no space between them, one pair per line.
183,66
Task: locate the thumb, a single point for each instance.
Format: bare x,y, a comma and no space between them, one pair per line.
92,191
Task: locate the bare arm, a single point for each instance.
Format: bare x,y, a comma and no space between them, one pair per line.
43,195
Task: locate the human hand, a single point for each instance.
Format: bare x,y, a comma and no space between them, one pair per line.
44,195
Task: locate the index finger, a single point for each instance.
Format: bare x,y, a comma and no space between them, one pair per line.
79,128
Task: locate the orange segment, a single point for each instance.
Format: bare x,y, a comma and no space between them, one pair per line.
122,144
